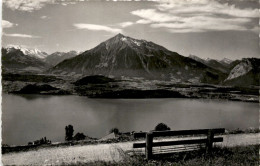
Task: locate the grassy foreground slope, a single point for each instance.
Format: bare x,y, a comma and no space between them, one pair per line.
115,154
240,155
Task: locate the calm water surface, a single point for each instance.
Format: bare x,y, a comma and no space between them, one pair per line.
30,117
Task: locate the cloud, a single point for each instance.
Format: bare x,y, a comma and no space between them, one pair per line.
7,24
20,35
143,21
94,27
68,3
44,17
126,24
26,5
197,16
203,24
153,15
206,7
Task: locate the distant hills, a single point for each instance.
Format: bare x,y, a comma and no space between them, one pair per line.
225,65
122,56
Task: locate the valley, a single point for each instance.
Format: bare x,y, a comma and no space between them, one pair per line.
103,87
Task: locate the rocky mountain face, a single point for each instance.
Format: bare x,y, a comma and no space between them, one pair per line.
15,60
245,73
57,57
124,56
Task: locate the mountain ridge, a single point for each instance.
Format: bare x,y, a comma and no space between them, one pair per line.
58,57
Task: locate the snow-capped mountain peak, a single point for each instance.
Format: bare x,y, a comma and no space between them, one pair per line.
226,60
124,41
27,51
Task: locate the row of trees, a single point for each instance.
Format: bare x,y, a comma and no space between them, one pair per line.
41,141
80,136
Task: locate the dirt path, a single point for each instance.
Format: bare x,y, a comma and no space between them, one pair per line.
107,152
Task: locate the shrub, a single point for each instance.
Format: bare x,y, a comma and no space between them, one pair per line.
161,127
79,136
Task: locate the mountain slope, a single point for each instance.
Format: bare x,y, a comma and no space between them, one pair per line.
245,73
125,56
14,60
58,57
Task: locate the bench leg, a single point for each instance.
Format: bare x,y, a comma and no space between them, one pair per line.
209,143
149,146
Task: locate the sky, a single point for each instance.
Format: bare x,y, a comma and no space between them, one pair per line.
206,28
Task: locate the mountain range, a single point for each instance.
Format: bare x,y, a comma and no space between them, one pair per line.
123,56
18,58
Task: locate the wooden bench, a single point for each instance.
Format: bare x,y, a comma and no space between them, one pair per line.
186,143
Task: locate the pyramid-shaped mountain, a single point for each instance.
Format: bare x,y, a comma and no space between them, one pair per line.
124,56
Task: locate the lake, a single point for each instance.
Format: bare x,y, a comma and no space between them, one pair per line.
27,118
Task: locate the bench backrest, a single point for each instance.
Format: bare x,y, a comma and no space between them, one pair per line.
180,132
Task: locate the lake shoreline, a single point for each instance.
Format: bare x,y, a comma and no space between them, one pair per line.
134,88
171,95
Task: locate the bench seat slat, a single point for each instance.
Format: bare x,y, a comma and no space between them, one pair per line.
175,150
180,142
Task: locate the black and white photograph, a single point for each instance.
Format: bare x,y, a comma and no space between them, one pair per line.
130,82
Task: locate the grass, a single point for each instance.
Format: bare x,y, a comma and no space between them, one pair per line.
221,156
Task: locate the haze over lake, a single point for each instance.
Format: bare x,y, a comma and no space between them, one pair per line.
30,117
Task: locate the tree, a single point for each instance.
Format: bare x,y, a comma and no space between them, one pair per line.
114,130
69,133
161,127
